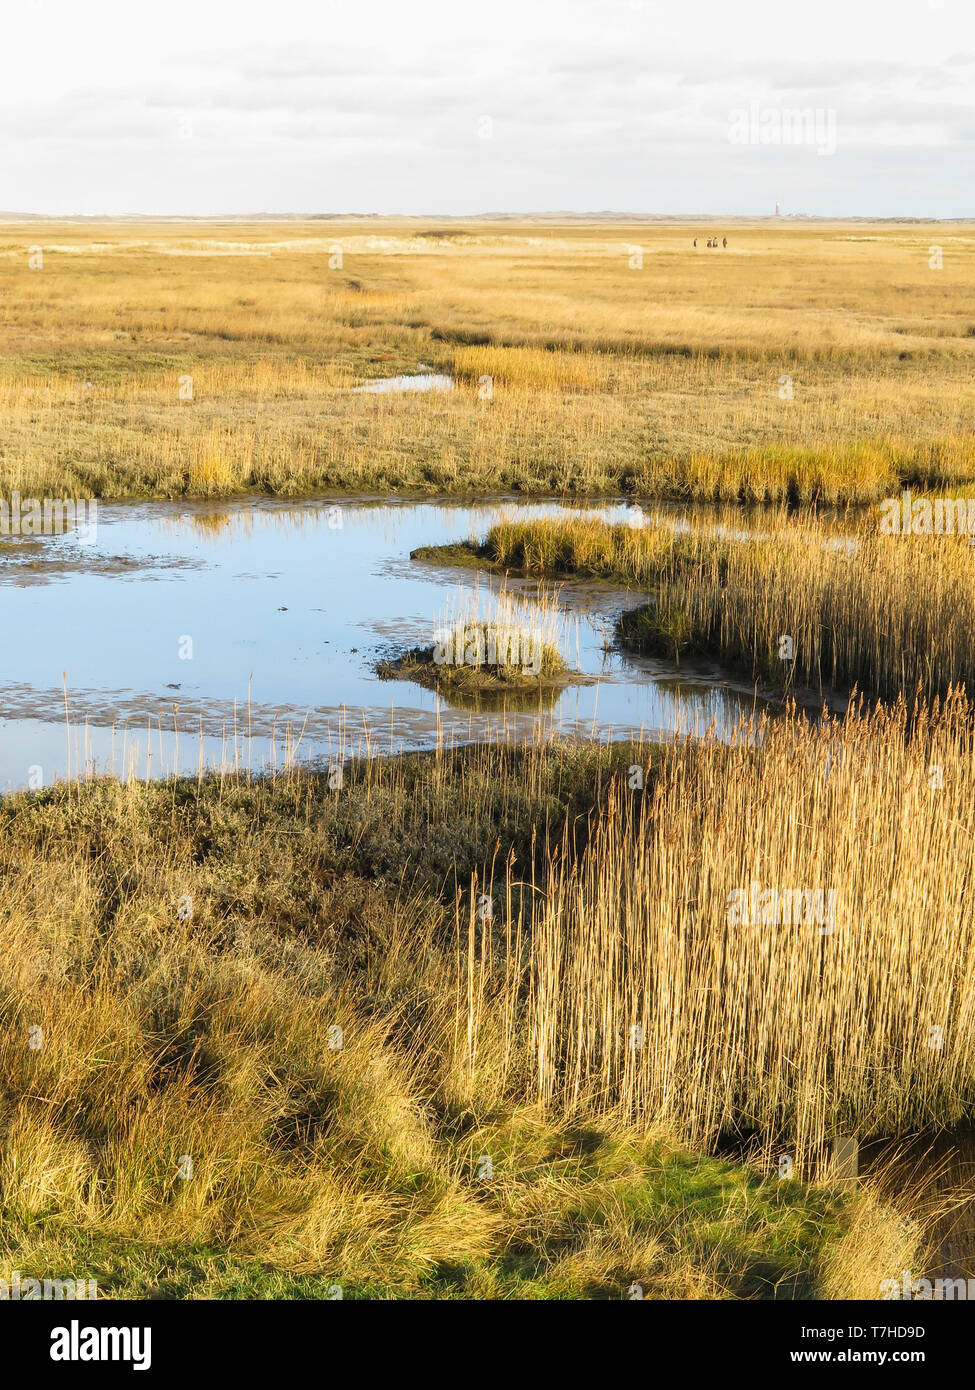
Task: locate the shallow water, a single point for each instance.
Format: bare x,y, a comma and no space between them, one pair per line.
938,1172
928,1177
425,381
288,608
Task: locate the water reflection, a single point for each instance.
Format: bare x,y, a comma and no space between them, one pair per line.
184,620
424,381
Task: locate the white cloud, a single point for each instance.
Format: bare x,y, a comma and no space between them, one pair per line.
236,106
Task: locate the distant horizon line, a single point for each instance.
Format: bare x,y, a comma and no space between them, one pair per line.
562,216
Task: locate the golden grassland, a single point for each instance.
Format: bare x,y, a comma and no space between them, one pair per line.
491,928
658,381
189,948
889,614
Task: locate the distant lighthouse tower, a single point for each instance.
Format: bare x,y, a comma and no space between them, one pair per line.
777,212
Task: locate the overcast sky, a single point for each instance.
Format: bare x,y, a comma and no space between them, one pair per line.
243,106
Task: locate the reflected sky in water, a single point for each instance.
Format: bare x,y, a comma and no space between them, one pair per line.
289,607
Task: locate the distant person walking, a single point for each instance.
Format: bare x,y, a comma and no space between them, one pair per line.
724,241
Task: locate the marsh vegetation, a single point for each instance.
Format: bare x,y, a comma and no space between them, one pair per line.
178,361
523,1018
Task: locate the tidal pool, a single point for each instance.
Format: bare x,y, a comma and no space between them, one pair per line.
423,381
194,635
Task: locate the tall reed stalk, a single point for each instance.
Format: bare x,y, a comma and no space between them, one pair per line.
890,614
630,985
